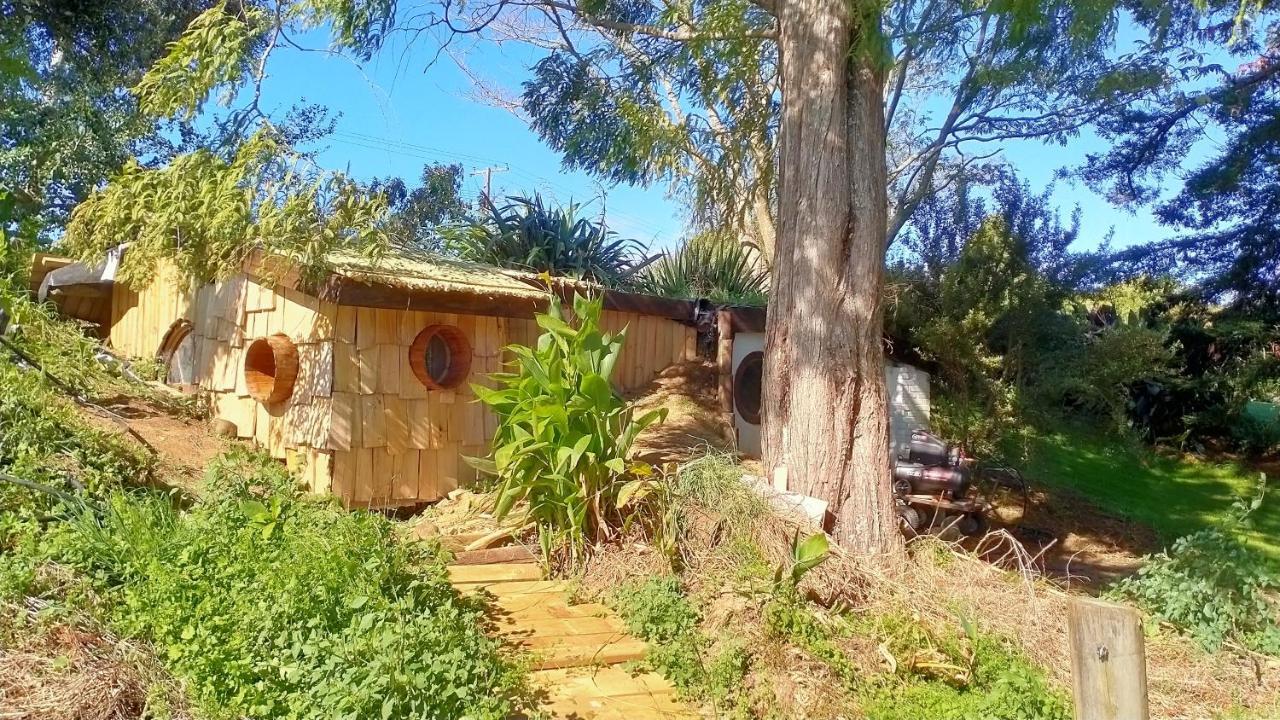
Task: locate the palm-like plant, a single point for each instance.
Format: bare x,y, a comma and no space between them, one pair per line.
710,265
526,234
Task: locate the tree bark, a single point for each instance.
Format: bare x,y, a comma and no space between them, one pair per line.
825,425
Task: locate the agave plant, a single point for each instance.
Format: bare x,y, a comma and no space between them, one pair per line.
561,450
709,265
528,235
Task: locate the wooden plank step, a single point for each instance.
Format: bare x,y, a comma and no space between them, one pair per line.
621,707
552,604
508,588
611,653
556,627
504,572
510,554
554,642
598,682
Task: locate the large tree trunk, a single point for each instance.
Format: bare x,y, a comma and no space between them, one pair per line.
825,423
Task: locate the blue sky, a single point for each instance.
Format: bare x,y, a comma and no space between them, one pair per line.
395,117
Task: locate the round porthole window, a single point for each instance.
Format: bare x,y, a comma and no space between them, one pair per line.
440,357
270,368
746,387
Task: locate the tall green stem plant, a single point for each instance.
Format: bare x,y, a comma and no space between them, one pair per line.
564,434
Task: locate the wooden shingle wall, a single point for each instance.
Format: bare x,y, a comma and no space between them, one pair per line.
359,423
139,319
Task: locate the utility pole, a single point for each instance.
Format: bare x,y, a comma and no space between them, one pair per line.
488,180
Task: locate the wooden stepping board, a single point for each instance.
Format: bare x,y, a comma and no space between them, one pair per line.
575,647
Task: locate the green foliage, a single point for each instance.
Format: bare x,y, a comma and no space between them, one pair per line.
806,555
710,265
208,214
959,675
417,215
955,674
657,611
212,52
66,117
563,434
526,234
325,614
1213,586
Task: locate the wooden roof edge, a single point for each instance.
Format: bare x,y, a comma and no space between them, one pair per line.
369,291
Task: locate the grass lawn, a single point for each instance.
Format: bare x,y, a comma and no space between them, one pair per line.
1173,495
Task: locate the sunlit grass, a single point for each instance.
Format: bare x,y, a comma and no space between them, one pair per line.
1174,495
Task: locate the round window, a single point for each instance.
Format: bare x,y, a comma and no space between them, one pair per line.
270,368
746,387
440,357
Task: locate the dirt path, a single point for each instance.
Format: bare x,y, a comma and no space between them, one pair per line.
184,446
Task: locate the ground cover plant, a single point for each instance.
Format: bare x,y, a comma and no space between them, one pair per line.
268,604
1213,586
564,436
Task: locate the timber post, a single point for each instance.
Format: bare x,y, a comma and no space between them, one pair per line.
724,361
1108,661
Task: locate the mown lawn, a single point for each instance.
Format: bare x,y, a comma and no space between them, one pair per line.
1174,495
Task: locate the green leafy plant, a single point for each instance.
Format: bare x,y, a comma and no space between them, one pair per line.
526,234
806,555
657,611
1212,585
564,435
325,615
711,265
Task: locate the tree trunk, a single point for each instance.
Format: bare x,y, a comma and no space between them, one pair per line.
825,425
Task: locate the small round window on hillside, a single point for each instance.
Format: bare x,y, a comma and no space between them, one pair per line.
271,368
440,357
747,382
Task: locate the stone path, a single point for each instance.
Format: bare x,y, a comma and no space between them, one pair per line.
576,648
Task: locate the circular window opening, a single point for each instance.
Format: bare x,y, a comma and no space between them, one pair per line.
746,387
270,369
440,357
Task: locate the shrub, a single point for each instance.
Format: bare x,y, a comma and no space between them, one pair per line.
527,235
563,434
657,611
267,604
710,265
1212,586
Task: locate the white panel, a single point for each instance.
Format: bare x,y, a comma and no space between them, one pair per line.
748,435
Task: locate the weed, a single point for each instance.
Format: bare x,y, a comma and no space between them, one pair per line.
1213,586
658,612
268,604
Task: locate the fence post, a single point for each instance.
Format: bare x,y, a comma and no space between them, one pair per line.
1108,661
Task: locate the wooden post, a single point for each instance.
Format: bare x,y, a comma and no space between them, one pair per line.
1108,661
724,360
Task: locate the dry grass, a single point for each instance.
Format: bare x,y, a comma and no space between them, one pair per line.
996,582
71,671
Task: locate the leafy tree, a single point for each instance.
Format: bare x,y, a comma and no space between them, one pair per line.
1225,214
65,121
526,234
417,215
